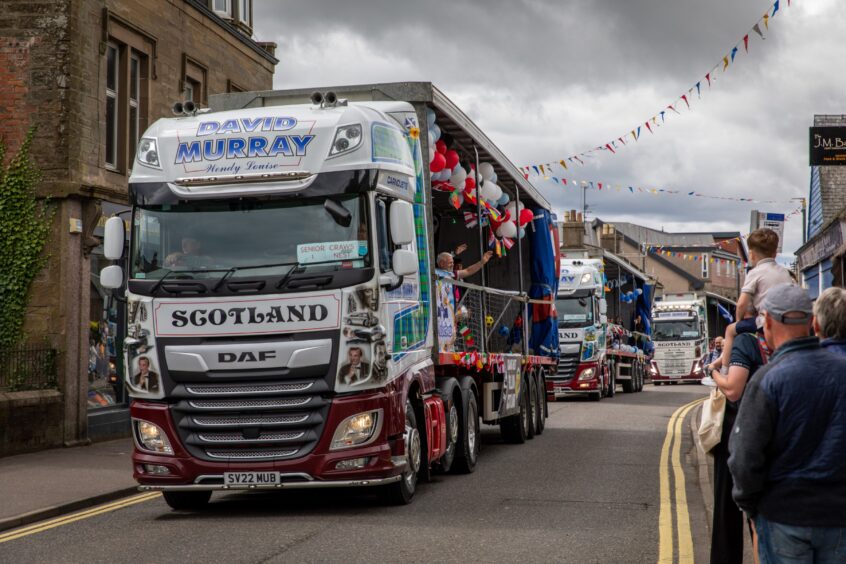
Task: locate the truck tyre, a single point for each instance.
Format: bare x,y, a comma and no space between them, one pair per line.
531,404
469,438
514,427
629,385
452,432
402,492
540,411
641,371
612,380
187,501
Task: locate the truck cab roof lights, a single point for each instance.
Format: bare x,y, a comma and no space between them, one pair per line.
148,153
327,100
289,176
347,138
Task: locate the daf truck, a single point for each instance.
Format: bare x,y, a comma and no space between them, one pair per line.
596,355
283,309
680,333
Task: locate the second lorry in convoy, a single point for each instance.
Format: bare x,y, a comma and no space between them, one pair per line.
596,355
680,332
286,324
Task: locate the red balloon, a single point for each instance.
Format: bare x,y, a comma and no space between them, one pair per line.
440,146
469,183
506,217
470,195
438,163
451,159
526,216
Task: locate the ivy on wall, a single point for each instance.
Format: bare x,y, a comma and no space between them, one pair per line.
24,230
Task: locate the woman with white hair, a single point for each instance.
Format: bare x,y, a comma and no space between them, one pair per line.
830,320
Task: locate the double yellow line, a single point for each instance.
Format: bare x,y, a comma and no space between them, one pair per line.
673,439
64,520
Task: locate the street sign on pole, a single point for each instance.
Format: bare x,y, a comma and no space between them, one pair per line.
774,221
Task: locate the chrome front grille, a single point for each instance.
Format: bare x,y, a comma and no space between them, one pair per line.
249,403
240,389
272,426
567,366
248,420
239,438
250,454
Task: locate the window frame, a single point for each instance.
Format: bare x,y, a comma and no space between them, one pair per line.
705,266
248,20
195,74
114,95
226,12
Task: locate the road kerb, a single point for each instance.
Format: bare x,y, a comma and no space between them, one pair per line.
65,508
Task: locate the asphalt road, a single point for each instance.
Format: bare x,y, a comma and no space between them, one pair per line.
587,490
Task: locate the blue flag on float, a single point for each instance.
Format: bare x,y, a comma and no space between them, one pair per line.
725,313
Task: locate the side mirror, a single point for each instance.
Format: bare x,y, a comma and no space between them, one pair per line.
111,277
405,262
402,224
603,306
114,238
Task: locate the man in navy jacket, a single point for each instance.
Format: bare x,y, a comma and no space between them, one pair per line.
788,445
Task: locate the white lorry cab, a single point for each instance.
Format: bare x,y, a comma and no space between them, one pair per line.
680,333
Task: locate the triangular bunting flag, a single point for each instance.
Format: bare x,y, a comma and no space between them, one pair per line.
746,42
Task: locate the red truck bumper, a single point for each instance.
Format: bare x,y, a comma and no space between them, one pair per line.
558,388
384,458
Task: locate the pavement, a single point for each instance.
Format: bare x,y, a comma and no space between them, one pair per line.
53,482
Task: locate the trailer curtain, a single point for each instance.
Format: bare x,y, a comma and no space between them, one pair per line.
543,339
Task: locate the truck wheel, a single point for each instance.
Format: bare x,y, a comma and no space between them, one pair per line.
532,405
187,501
612,381
469,440
540,411
402,492
629,385
452,434
641,371
514,428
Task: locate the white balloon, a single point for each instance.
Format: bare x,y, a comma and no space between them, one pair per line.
432,140
437,131
430,116
511,207
458,177
486,170
490,191
507,229
432,152
494,177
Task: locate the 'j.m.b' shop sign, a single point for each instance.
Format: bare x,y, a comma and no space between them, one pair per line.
828,146
247,317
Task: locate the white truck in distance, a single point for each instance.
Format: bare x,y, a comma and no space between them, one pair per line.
680,333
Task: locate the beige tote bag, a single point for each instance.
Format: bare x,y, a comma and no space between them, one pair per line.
711,424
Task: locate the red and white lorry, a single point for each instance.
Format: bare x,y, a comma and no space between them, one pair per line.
286,325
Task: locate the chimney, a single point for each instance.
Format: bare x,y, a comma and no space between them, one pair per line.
608,238
572,230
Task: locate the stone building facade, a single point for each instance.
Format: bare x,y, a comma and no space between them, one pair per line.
90,76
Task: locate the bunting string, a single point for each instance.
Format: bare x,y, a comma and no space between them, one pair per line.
660,118
628,189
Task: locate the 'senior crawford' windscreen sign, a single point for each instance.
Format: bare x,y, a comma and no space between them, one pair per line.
828,146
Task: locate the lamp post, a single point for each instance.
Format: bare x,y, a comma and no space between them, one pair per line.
804,217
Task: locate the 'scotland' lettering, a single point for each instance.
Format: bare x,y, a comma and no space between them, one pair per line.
254,315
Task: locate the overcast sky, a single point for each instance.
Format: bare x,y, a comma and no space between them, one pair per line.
547,79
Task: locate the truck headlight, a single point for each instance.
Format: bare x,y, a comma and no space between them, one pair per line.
587,374
347,138
586,278
356,430
148,153
150,436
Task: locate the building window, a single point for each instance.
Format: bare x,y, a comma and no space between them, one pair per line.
222,8
194,81
705,266
112,92
128,57
245,12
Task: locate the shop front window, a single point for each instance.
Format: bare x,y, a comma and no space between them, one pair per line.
105,386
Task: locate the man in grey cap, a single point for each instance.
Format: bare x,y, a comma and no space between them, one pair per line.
788,442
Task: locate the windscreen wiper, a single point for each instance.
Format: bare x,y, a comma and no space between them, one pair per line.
235,269
169,272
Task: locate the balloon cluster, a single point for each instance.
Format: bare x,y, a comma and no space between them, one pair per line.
449,175
631,296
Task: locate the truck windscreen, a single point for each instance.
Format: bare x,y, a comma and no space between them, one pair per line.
675,330
249,238
575,310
